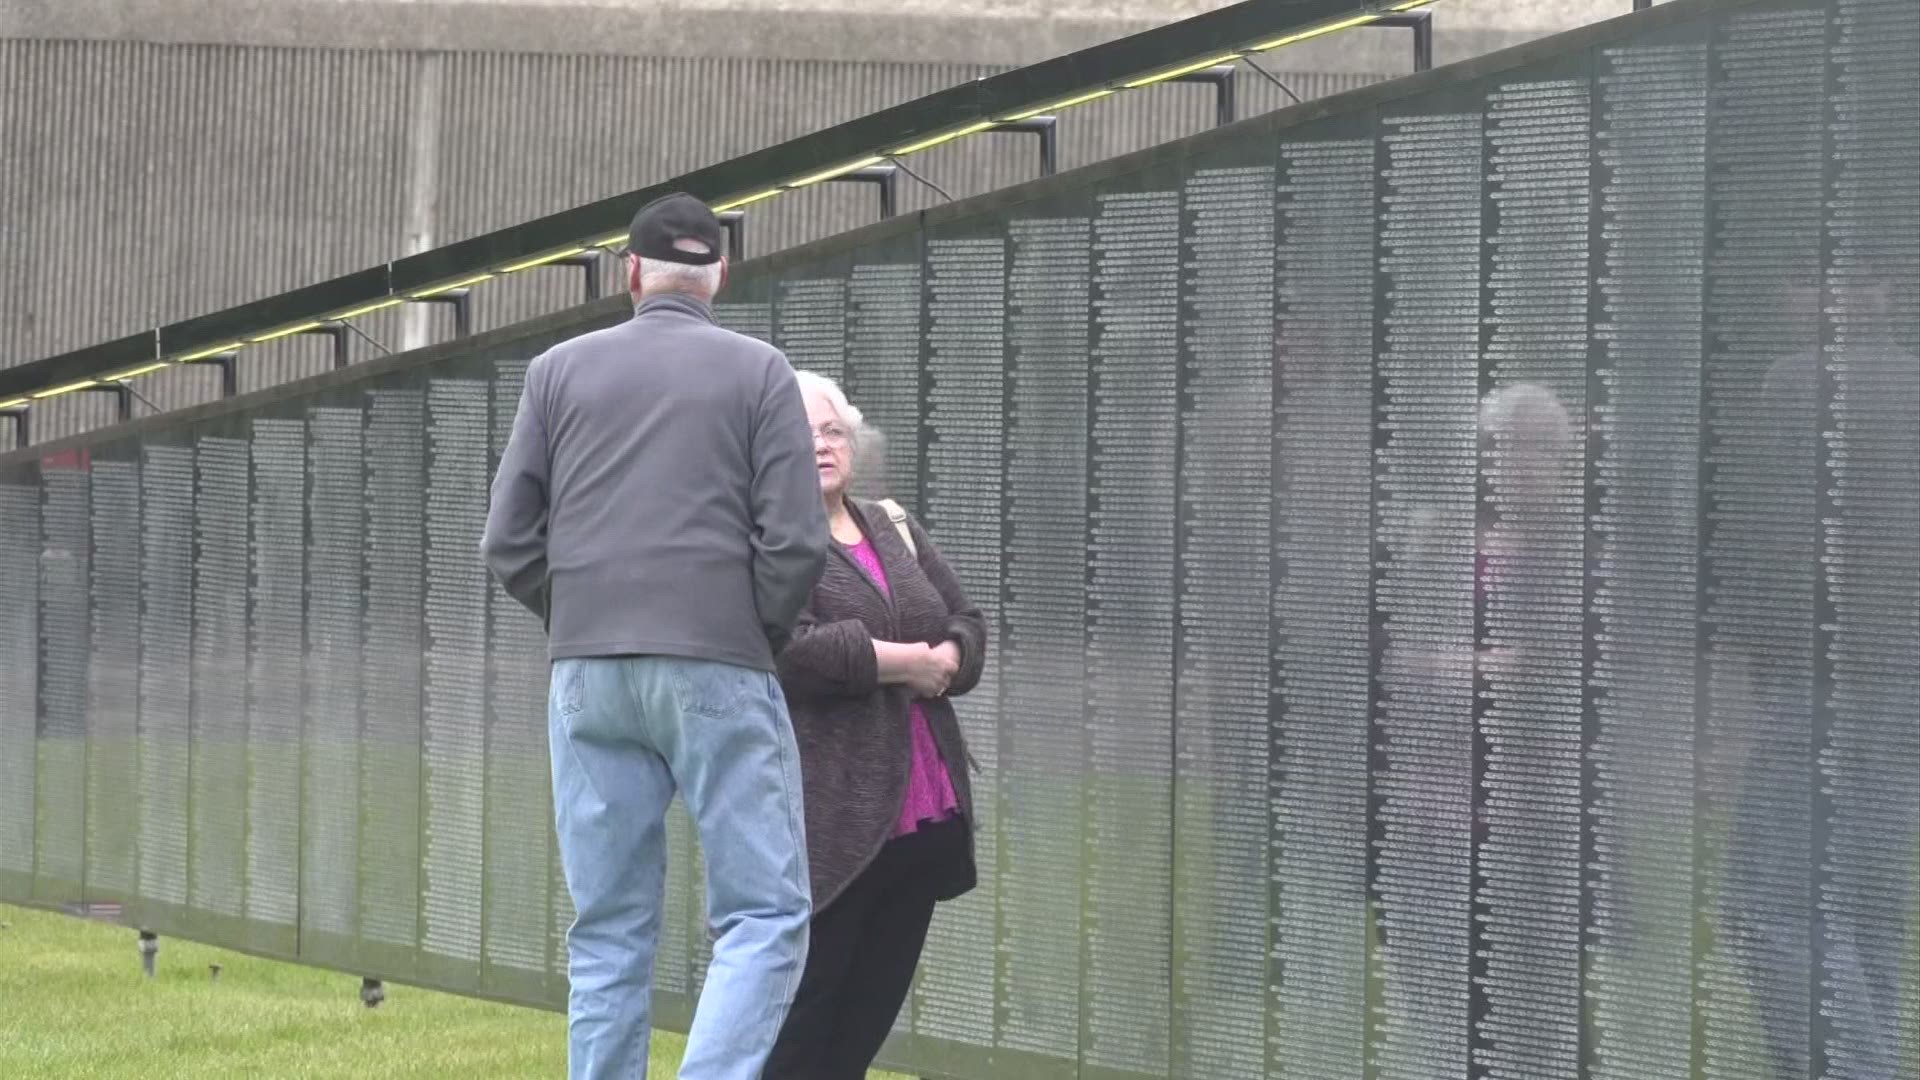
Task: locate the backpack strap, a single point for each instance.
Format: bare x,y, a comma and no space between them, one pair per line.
899,518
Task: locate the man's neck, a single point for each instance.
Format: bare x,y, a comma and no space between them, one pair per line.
687,302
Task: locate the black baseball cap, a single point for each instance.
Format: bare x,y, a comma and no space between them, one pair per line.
671,218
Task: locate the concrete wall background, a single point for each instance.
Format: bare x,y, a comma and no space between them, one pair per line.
978,31
167,158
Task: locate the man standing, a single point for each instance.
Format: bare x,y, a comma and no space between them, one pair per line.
658,505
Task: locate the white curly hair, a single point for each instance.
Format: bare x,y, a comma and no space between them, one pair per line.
867,442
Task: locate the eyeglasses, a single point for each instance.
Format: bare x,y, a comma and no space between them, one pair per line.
833,434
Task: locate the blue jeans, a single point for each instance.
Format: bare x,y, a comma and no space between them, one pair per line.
625,733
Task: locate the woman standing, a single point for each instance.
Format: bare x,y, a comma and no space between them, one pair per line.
887,640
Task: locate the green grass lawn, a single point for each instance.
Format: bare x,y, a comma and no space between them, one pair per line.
73,1003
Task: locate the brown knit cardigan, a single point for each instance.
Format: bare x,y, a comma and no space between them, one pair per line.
856,746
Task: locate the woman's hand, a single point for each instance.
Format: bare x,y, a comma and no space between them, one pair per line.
926,670
950,650
930,670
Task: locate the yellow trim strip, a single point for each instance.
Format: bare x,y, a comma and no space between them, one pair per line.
938,140
285,332
1308,35
137,372
368,309
68,389
205,353
831,173
1189,69
1058,105
541,261
746,201
438,290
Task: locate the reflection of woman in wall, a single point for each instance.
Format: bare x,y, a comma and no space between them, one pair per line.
1527,437
886,642
1529,581
1421,758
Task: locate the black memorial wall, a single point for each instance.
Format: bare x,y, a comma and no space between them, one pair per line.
1453,549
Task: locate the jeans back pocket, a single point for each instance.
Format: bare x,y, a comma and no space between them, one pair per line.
710,689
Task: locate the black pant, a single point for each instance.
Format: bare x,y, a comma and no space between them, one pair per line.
861,956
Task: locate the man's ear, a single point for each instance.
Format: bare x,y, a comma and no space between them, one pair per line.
726,271
633,274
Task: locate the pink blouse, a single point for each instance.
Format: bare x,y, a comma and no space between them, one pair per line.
930,795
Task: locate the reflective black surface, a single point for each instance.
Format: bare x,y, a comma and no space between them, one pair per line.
1453,553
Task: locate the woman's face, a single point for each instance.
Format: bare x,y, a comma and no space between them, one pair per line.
832,446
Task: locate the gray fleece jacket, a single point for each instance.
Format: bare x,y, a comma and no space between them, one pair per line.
659,495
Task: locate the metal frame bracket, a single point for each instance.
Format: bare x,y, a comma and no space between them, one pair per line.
1225,100
735,223
228,363
1047,128
122,398
885,177
22,417
460,300
337,330
1421,23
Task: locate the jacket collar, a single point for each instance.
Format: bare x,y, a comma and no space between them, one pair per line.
865,519
878,529
858,509
674,304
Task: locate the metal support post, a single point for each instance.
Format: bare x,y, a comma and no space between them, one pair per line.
1642,5
149,951
1221,78
1421,23
122,398
1048,129
884,177
22,429
460,300
591,265
229,370
336,330
735,222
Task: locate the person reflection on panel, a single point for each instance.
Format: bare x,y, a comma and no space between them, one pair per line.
1531,461
1774,935
1860,950
1529,427
1865,967
885,643
1761,919
1527,435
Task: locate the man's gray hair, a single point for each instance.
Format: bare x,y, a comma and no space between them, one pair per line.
659,276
